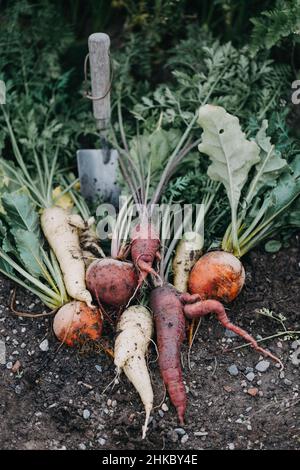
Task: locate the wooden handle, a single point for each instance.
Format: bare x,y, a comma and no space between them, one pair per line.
99,44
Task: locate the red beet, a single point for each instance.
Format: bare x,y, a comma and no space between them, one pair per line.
111,281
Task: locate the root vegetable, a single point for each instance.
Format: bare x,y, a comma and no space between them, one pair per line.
111,281
135,329
145,245
64,240
76,323
188,251
217,275
89,242
195,308
170,329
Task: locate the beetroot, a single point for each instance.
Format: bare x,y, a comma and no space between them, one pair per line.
111,281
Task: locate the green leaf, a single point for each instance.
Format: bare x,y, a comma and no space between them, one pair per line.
231,154
286,191
293,218
20,211
273,246
269,168
28,245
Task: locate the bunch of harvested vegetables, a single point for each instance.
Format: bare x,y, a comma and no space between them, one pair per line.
60,265
140,249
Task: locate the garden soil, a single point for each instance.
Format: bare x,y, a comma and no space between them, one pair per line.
58,398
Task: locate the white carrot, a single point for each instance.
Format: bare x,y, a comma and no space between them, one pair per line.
63,238
188,251
135,329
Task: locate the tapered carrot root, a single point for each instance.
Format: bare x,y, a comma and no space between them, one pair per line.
200,309
170,329
173,379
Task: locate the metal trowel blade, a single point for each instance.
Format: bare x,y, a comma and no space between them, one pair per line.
98,175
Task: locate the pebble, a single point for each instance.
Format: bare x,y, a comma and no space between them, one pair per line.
82,446
262,366
287,382
23,345
161,413
295,344
114,403
15,368
164,407
184,439
44,345
86,414
231,446
250,376
98,368
101,441
9,365
252,391
200,433
18,389
248,369
180,431
295,358
233,370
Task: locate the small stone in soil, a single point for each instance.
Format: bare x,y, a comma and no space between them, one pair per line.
161,413
86,414
252,391
9,365
82,446
233,370
262,366
231,446
250,376
295,344
287,382
164,407
44,345
180,431
15,368
184,439
101,441
18,389
98,368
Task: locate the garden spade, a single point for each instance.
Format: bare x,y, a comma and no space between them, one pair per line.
98,168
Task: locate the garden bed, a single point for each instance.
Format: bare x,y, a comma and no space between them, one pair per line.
56,399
